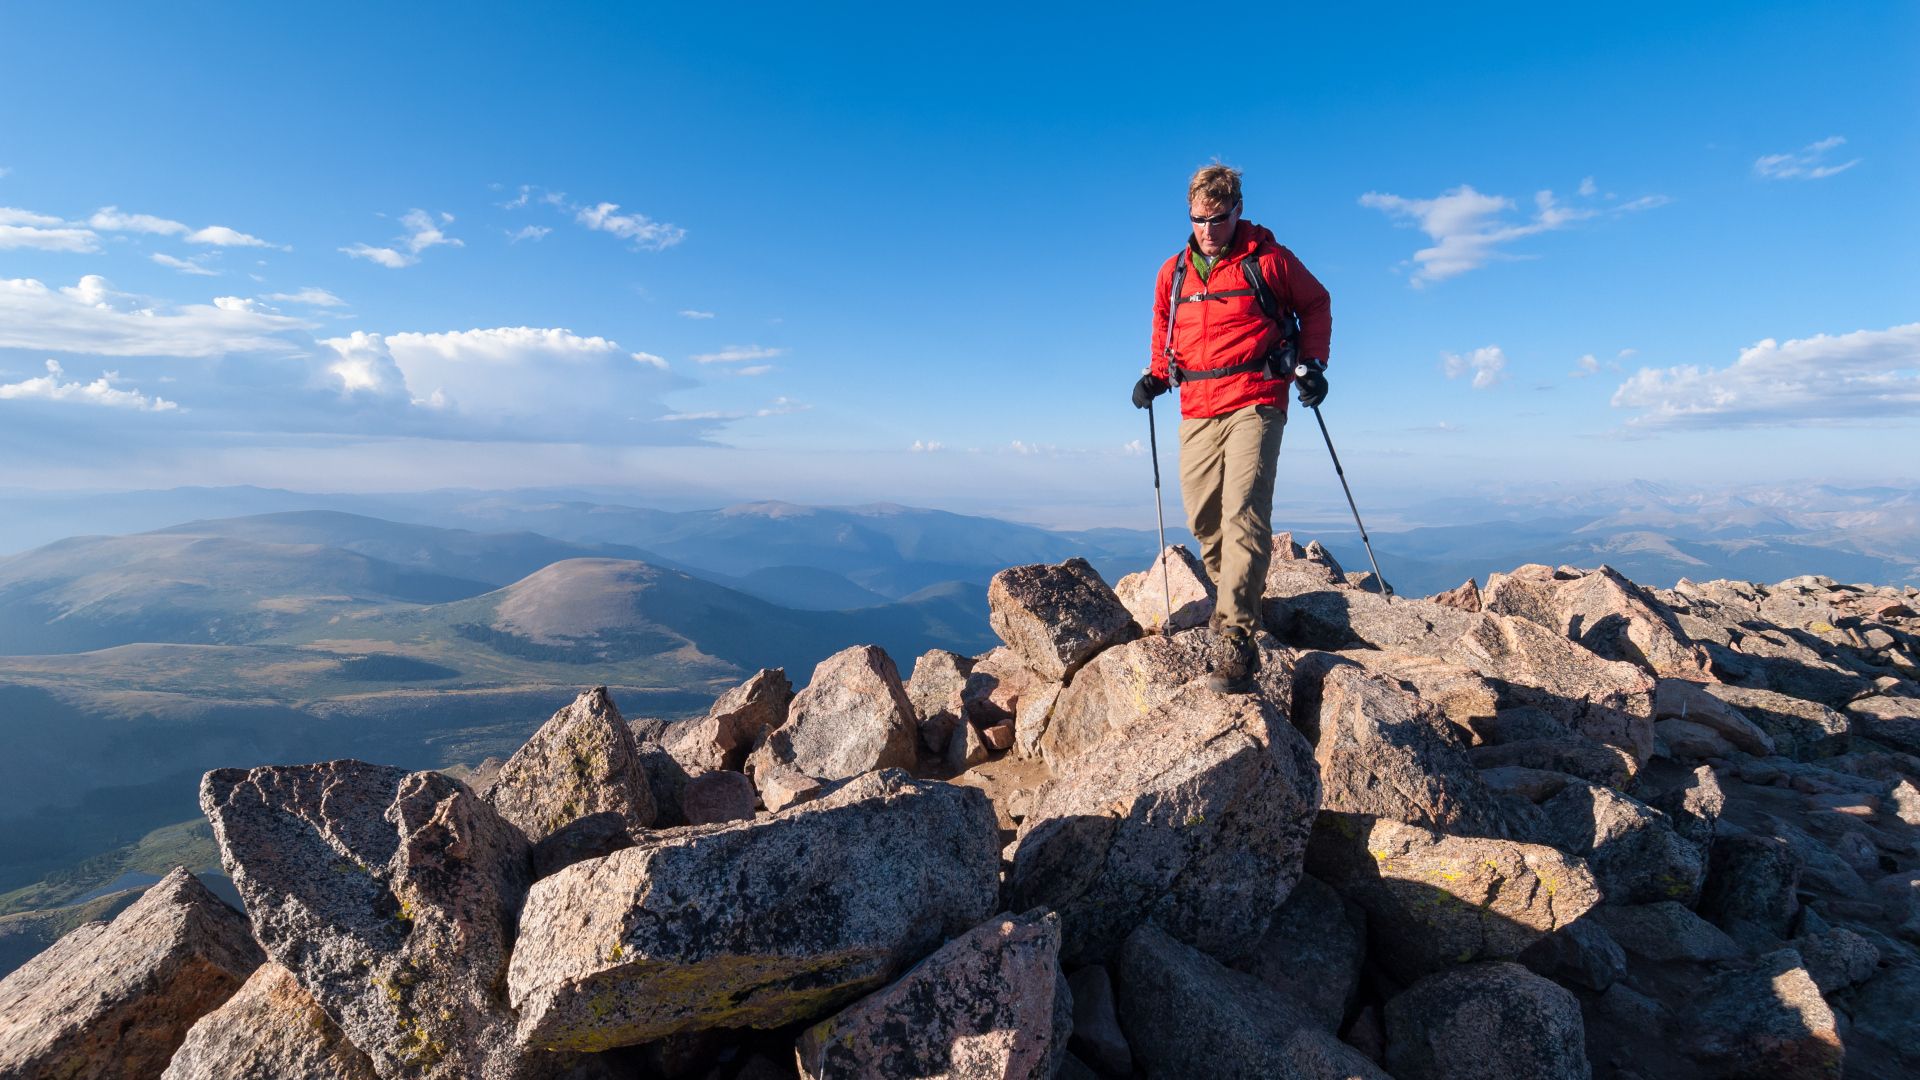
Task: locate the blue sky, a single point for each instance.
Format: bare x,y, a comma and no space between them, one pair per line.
887,253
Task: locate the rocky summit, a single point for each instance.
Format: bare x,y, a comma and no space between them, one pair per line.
1556,824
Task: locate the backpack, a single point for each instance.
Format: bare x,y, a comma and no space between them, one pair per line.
1277,364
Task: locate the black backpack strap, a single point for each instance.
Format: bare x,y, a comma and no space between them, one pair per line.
1187,375
1173,306
1279,362
1287,321
1221,295
1257,284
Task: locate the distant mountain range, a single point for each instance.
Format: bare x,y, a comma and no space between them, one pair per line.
130,664
437,628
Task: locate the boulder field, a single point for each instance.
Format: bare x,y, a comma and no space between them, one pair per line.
1556,825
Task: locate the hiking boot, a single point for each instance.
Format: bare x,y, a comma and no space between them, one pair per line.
1235,659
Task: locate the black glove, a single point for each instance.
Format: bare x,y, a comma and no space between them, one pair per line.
1310,379
1149,387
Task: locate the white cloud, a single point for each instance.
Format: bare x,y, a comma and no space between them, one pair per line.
362,364
643,231
639,228
737,354
1867,374
781,406
185,266
498,372
689,313
24,229
110,219
927,447
386,257
1806,163
528,232
1135,448
423,232
221,236
310,296
753,369
709,415
1488,365
1588,189
1585,366
100,391
92,317
12,215
1468,229
550,198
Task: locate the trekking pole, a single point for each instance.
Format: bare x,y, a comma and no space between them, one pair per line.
1385,588
1160,515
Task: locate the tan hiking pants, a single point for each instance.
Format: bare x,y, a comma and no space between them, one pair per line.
1227,469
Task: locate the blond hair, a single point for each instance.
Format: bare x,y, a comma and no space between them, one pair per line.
1217,184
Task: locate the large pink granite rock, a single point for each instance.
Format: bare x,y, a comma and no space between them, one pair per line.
116,999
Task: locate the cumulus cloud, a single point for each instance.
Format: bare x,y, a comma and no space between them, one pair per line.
1488,366
498,372
110,219
1864,375
1470,229
310,296
26,230
927,447
94,318
221,236
363,365
185,266
528,232
1807,163
423,231
642,230
737,354
100,391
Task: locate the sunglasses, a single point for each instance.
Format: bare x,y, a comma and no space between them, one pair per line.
1217,219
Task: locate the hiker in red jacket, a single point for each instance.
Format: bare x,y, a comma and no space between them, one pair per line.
1233,352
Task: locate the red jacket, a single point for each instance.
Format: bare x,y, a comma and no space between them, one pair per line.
1221,332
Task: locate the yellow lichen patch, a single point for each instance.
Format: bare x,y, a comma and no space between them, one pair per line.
420,1049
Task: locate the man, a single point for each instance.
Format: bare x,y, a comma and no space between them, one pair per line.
1216,342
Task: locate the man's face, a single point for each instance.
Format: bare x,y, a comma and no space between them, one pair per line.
1213,225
